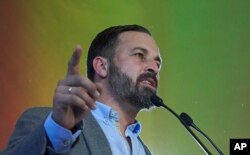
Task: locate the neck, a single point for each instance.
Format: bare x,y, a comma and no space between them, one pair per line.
127,112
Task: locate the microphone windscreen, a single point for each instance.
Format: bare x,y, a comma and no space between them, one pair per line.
186,118
157,101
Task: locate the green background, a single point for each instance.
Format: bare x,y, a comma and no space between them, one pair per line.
205,50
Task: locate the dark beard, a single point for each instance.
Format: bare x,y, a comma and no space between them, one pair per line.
125,89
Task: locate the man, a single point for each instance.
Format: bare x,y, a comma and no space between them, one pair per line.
96,114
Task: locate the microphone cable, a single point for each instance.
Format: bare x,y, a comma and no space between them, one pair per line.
186,121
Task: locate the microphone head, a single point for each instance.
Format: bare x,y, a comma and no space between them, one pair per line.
186,118
157,101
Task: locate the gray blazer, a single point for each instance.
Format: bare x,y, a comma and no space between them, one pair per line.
29,137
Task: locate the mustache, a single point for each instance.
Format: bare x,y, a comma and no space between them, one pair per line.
145,76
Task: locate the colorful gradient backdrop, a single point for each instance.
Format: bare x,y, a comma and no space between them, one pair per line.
204,44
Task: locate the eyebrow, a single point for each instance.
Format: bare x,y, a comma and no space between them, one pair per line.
144,50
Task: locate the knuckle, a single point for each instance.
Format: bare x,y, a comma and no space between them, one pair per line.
93,88
78,77
83,78
89,86
74,98
57,89
56,98
86,108
92,101
82,91
75,90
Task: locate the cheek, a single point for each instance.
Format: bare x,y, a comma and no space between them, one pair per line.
130,67
131,71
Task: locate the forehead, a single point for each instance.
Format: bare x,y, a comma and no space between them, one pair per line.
132,39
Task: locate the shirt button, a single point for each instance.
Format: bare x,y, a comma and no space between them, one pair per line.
105,121
112,114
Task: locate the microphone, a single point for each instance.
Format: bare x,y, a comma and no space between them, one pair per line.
189,122
186,121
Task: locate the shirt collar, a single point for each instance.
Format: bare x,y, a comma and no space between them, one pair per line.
104,111
134,129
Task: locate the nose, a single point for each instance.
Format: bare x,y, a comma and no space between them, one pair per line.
152,67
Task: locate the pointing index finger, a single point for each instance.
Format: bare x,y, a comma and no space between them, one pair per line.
74,62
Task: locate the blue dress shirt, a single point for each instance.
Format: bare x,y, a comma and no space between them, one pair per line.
108,119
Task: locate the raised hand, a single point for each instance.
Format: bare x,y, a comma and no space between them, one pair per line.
74,96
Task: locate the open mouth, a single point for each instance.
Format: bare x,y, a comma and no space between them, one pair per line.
149,82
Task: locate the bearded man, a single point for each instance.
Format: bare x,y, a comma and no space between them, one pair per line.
96,114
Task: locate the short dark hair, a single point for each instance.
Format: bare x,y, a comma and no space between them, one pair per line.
105,42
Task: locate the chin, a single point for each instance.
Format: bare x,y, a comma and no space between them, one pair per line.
148,89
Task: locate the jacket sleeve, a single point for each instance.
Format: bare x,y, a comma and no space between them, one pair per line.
29,136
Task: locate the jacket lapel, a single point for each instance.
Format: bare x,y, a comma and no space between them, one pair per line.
95,137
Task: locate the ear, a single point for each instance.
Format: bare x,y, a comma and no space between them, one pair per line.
100,65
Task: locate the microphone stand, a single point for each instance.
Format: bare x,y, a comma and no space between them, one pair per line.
157,101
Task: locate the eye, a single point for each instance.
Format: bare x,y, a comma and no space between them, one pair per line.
140,55
158,64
